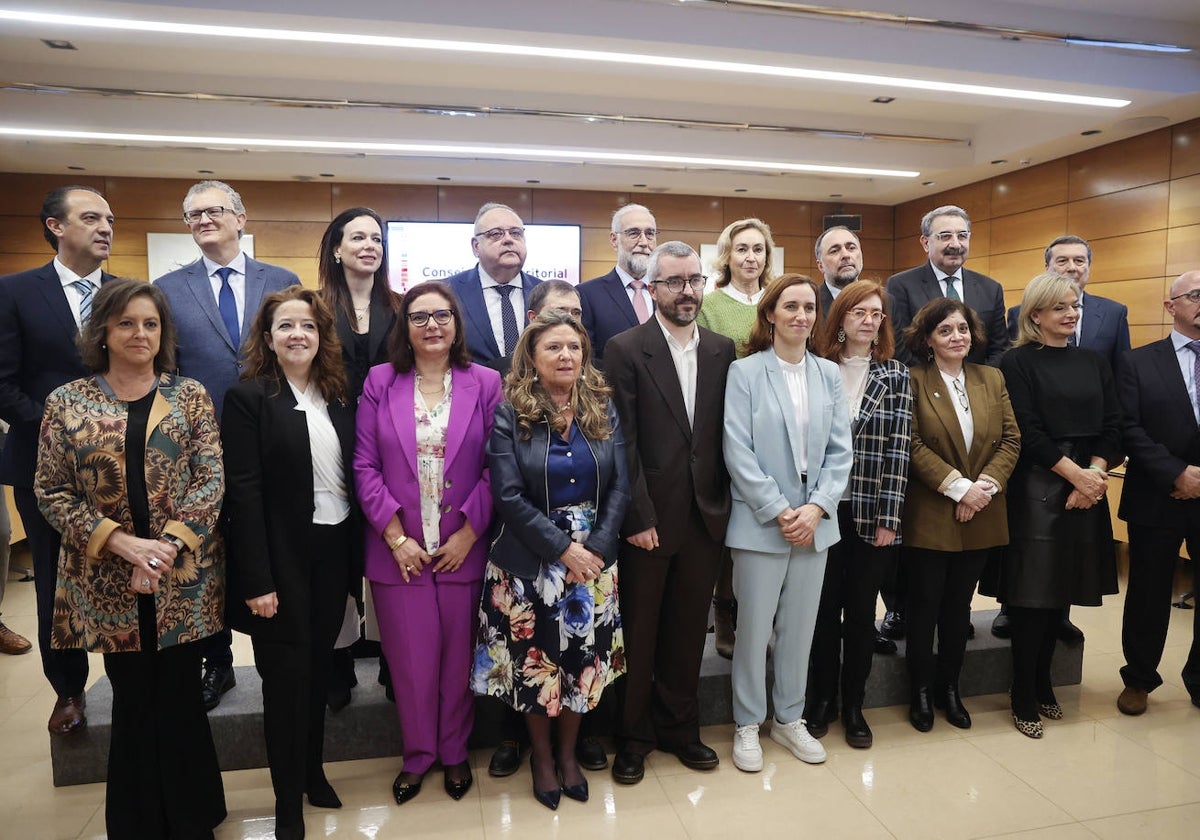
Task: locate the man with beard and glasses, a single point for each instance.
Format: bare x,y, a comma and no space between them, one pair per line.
621,299
668,378
840,259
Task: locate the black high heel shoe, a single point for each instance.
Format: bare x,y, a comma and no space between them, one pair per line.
549,798
404,791
577,792
457,788
321,794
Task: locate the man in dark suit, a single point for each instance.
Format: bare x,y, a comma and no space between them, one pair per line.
214,301
946,238
668,379
1103,327
621,299
1161,498
40,314
494,293
840,260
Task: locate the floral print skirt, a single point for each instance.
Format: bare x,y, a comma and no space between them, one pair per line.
546,645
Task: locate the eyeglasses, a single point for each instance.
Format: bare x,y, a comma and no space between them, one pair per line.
951,235
868,314
675,284
961,395
634,234
496,234
441,317
1193,296
214,213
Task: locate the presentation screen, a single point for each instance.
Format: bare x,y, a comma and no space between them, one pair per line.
420,251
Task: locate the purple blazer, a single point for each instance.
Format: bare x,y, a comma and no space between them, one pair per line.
385,466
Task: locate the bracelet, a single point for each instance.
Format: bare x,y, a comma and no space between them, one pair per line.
1094,467
399,541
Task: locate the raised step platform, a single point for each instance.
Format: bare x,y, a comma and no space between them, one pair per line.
368,727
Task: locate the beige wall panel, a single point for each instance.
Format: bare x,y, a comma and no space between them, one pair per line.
394,202
1143,297
1139,335
590,269
286,239
131,265
907,252
23,235
129,235
1185,202
785,218
1014,270
596,246
1026,231
975,198
12,263
1185,149
878,221
1114,214
1029,189
460,204
576,207
1183,250
1129,257
306,268
1141,160
694,213
286,201
148,198
24,193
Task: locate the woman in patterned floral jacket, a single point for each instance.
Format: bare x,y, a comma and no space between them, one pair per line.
129,471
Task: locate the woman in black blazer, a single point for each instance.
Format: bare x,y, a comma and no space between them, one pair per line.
294,534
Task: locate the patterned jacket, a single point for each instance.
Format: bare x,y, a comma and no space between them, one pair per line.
882,432
80,485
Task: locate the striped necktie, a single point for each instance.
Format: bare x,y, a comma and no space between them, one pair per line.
85,289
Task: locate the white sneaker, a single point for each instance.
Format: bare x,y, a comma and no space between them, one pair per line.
747,754
795,737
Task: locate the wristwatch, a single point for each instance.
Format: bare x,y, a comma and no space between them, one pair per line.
179,544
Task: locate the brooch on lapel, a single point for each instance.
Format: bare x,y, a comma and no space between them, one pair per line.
937,395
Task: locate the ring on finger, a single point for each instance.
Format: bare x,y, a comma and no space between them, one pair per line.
153,564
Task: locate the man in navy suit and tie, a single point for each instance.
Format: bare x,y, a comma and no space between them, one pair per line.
494,293
214,301
620,299
40,314
1160,395
946,238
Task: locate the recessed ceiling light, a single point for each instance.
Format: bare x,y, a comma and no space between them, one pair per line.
928,183
76,168
640,186
562,53
1090,132
204,172
740,189
327,175
999,161
835,195
532,181
443,177
56,44
884,100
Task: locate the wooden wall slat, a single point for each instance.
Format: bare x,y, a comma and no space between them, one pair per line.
1015,269
460,204
576,207
1185,149
1184,208
695,213
1145,159
1183,250
1128,211
1029,189
785,218
1129,257
25,192
1025,231
394,202
1143,297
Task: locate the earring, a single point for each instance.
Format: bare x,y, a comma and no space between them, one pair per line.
535,378
929,355
103,346
337,258
841,335
875,341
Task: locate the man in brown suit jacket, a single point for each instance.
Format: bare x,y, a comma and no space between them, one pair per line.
668,376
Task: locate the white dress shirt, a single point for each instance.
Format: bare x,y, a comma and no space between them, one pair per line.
942,279
1187,366
797,384
684,357
67,277
330,503
491,299
237,282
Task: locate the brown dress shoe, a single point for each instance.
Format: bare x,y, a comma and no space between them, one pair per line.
1133,701
68,715
12,643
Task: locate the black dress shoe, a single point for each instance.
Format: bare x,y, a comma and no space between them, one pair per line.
457,788
589,752
549,798
216,681
338,697
628,768
321,794
949,700
818,716
1068,632
697,756
289,828
505,760
920,710
893,625
1001,628
858,734
884,645
403,790
970,630
577,792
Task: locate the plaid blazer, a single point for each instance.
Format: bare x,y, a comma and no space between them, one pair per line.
881,433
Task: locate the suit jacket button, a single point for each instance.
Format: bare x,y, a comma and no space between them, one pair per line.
449,483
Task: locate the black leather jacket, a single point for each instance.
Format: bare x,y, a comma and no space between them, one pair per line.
525,537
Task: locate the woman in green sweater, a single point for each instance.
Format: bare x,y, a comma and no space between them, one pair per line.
743,268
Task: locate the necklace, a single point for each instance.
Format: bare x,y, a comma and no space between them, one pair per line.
440,389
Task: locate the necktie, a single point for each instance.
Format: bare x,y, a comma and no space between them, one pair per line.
85,299
228,307
639,302
951,291
1194,346
508,320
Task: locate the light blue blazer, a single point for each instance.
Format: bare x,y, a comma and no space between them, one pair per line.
762,451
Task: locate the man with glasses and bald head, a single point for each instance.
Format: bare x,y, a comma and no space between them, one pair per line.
621,299
494,293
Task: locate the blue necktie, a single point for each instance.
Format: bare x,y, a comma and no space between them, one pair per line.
228,307
85,299
508,320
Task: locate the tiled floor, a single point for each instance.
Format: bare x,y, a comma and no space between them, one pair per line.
1095,774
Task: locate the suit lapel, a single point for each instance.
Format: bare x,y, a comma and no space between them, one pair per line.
1167,364
783,397
940,398
401,408
476,311
56,299
663,374
707,384
464,395
342,417
256,282
1093,319
817,432
874,392
201,290
930,285
381,321
616,290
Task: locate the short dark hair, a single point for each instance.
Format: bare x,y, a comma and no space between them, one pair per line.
111,301
933,313
1069,239
54,206
400,351
543,290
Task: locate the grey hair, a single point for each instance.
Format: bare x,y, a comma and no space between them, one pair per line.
944,210
628,208
489,207
821,238
1069,239
674,248
234,198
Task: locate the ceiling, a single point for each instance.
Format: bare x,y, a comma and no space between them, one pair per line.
543,118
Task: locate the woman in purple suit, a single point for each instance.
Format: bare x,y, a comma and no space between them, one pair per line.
423,425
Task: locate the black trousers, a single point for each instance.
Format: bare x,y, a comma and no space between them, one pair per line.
163,777
1153,554
844,638
1034,637
664,616
940,586
295,674
67,670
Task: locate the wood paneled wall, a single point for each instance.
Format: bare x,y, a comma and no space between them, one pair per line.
288,218
1137,201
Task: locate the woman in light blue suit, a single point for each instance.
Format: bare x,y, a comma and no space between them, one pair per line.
788,451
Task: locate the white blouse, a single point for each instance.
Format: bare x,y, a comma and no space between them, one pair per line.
797,383
331,504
